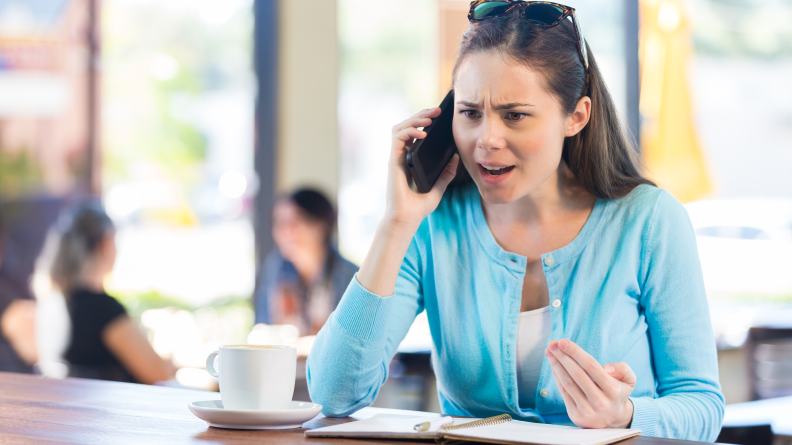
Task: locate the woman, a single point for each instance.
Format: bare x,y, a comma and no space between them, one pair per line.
303,278
105,343
18,350
560,285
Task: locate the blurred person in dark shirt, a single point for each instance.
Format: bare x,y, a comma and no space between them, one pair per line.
303,278
17,319
105,343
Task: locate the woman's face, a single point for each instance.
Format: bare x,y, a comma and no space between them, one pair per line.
295,234
509,130
106,254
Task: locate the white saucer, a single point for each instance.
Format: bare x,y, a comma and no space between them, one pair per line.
215,415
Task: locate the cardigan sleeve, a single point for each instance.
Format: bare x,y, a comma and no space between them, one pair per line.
349,359
690,403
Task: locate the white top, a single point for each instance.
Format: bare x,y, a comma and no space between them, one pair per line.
533,333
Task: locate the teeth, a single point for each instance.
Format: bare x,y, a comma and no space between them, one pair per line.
493,168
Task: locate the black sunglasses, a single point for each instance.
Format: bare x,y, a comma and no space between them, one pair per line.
545,14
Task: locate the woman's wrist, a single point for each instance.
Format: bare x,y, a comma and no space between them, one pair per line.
398,223
380,269
392,225
625,419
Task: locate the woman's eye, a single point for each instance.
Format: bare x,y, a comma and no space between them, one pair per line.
472,114
514,116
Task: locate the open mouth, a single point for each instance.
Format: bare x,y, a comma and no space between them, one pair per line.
496,171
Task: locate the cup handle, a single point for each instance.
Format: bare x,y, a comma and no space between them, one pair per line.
210,364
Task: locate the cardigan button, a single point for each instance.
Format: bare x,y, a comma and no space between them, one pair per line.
544,393
556,303
548,261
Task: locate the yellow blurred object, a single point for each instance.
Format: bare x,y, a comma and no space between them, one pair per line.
181,215
669,146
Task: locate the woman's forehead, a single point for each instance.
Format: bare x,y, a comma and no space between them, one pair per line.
492,78
285,207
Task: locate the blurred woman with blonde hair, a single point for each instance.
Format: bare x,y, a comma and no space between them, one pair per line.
105,342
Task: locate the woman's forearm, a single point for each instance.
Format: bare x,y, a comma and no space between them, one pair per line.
349,360
18,325
380,269
405,208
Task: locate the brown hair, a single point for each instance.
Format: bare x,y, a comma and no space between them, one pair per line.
599,156
315,206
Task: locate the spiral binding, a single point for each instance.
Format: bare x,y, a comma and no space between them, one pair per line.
495,420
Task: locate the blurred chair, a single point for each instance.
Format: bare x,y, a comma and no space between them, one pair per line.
770,362
746,435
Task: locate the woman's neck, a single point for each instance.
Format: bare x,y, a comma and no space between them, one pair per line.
93,273
557,197
93,283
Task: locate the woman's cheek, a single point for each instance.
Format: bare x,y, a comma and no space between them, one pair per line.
466,156
465,141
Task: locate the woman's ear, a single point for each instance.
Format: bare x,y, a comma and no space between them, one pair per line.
579,118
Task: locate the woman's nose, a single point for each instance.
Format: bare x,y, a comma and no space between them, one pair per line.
491,136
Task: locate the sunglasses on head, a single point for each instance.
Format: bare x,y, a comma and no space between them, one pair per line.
544,14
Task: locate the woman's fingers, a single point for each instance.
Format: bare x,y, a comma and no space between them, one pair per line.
403,140
409,133
575,371
446,177
414,122
598,405
589,365
622,372
568,400
564,379
420,119
406,132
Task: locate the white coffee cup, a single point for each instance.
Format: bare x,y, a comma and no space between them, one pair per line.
254,377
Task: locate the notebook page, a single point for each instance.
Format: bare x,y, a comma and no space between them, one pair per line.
517,431
381,425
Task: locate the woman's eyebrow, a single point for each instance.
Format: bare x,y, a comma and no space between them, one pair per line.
511,105
507,106
467,104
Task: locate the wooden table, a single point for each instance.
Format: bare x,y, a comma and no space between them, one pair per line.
35,410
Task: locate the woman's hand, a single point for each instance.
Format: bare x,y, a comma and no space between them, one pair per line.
405,206
595,396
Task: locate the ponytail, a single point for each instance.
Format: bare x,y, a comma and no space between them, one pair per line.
600,156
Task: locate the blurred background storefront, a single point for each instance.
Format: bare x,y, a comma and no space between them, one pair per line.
188,118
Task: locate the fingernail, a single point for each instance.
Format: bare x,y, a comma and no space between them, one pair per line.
553,346
609,369
563,344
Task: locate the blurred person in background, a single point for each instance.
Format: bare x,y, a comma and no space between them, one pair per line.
105,343
303,277
17,320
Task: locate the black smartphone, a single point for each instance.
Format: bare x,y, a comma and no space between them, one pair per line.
429,156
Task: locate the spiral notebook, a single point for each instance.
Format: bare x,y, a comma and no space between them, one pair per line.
499,430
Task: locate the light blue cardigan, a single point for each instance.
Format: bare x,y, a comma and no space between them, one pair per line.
629,286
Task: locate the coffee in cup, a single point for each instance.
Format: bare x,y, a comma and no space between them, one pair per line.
255,377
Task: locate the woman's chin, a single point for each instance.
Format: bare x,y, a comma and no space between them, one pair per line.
496,195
